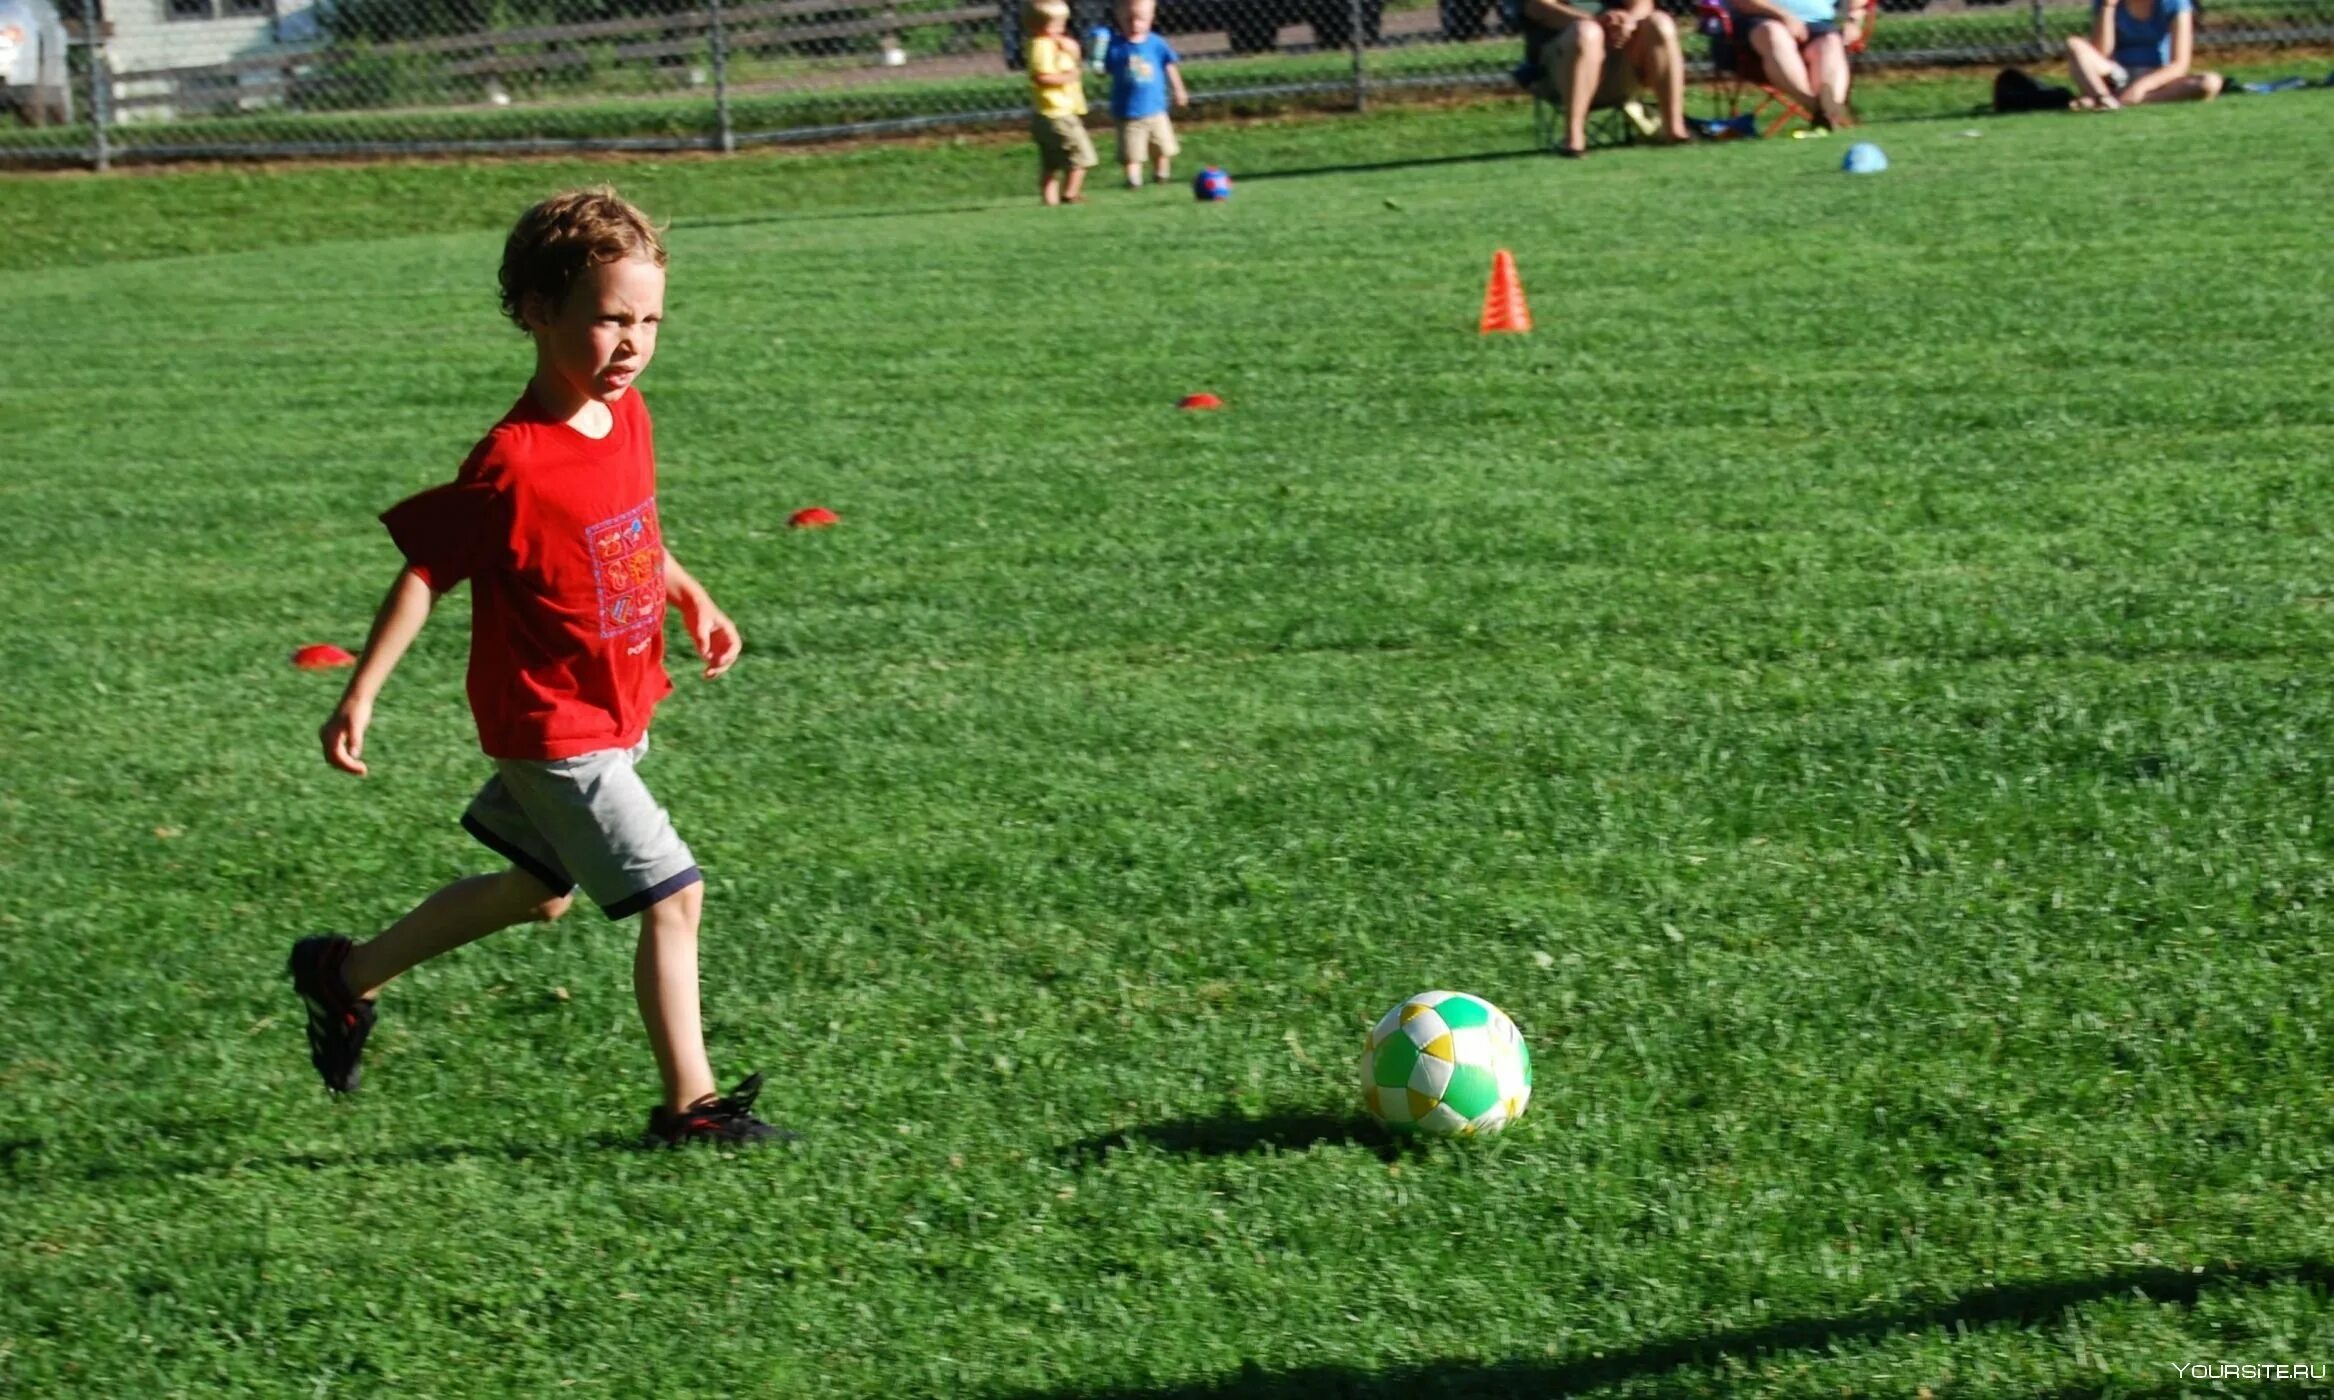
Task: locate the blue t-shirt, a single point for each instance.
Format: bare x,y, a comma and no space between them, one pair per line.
1138,75
2142,45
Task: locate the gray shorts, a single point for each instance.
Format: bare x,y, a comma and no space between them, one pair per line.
586,820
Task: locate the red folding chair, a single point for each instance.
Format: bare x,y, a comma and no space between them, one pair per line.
1736,68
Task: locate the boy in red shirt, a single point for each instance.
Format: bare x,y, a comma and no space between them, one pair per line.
552,521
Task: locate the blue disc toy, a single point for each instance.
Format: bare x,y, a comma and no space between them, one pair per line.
1864,158
1211,185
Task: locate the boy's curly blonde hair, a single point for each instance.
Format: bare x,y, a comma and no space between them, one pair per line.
566,235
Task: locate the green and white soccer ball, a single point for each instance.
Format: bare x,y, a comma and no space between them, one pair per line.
1446,1064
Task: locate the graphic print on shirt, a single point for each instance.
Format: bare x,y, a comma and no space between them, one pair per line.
628,559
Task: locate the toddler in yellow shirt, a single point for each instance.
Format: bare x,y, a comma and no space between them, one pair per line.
1064,151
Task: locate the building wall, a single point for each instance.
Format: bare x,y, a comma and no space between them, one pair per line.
147,35
144,35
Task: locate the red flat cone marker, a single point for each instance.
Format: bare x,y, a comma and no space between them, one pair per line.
1199,401
813,518
1503,300
323,656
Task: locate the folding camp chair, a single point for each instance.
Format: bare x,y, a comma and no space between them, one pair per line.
1619,125
1607,126
1736,68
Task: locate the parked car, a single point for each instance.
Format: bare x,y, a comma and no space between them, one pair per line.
1253,26
34,87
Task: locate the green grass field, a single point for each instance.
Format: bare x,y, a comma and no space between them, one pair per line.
1852,684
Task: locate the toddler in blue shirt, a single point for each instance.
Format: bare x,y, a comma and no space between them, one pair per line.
1144,75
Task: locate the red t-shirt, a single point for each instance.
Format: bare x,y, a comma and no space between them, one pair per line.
557,534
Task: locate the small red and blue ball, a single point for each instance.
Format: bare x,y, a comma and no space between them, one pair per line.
1211,185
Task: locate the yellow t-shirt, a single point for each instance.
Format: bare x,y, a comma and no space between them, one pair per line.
1063,100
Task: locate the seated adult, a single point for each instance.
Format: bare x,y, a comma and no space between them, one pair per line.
1802,47
1585,60
2138,51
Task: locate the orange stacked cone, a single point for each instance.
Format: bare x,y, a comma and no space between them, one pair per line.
1503,300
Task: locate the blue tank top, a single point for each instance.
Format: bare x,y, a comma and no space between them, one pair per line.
2142,45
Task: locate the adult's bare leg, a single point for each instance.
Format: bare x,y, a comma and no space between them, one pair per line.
2196,87
1786,71
1581,49
2091,71
1826,58
1660,64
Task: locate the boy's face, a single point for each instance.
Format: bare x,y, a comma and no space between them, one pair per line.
605,334
1138,20
1055,25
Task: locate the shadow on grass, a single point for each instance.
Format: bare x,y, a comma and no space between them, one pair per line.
823,216
23,1161
1232,1134
2018,1304
1366,166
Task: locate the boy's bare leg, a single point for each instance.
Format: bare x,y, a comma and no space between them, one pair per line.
1162,173
1075,183
463,912
664,981
1134,174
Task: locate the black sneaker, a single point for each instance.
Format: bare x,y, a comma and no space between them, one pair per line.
729,1120
338,1022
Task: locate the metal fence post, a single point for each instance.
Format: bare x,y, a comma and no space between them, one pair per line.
728,133
100,88
2041,33
1361,76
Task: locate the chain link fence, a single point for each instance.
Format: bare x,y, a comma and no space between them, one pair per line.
91,82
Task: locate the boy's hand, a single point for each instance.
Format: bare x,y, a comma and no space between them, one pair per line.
716,638
343,736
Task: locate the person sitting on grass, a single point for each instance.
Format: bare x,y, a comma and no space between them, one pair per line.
1064,151
2138,51
1582,60
1802,47
1144,76
552,521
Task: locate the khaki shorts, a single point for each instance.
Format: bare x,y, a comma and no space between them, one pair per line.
1140,137
585,820
1062,143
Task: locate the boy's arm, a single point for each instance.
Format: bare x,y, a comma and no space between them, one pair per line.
1175,85
394,627
1065,52
715,636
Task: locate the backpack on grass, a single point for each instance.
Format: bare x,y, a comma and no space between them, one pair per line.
2016,91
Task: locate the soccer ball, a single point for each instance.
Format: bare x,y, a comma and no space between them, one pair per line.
1446,1064
1211,185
